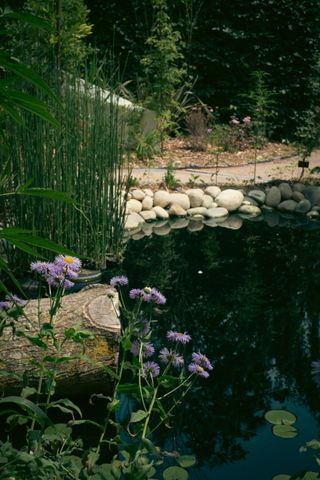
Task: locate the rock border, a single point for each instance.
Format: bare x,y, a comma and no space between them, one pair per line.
213,205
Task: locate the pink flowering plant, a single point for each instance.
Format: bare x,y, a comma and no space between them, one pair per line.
236,136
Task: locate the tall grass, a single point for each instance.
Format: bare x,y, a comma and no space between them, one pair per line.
84,157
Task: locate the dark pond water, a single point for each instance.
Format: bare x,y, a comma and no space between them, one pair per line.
250,299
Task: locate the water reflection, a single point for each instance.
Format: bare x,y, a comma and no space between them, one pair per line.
254,308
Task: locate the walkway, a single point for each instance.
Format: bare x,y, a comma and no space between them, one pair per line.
285,169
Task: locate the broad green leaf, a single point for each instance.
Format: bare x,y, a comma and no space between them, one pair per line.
40,416
310,476
186,460
280,417
89,422
28,391
138,416
58,431
284,431
66,402
45,193
175,473
23,71
31,19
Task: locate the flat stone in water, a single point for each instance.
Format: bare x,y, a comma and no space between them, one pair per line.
230,199
217,212
257,195
303,206
287,206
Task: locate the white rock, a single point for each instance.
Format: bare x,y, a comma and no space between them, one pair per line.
147,203
161,213
138,194
197,211
148,215
176,210
180,199
230,199
217,212
313,214
147,229
161,199
129,196
148,192
210,222
133,206
250,210
133,221
213,191
207,201
195,196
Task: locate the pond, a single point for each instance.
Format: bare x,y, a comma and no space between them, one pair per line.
250,299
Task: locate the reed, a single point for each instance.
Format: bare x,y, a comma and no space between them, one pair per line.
84,157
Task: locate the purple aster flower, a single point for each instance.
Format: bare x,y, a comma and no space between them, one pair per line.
157,297
178,337
120,280
14,299
68,263
5,305
147,349
136,293
198,370
151,368
41,267
166,356
202,360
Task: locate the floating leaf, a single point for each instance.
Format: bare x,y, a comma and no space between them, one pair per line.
280,417
175,473
186,460
281,477
284,431
310,476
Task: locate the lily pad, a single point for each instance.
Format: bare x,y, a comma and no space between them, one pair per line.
175,473
280,417
284,431
310,476
281,477
186,460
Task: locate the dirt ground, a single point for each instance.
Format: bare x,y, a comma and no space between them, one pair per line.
274,162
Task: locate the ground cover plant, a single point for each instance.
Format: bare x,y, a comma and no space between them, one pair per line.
152,379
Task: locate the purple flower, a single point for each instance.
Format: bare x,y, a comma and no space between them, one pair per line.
5,305
166,356
202,360
157,297
136,293
120,280
151,368
68,263
198,370
147,349
178,337
41,267
14,299
57,277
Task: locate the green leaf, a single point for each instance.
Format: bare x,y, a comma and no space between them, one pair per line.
284,431
45,193
175,473
40,416
138,416
31,19
310,476
28,391
57,432
66,402
128,388
280,417
83,422
186,460
281,477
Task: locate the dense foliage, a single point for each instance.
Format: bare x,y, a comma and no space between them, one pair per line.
224,43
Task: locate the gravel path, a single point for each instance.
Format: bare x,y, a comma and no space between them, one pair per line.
285,169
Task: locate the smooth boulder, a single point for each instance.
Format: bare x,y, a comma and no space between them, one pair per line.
213,191
180,199
161,199
273,197
258,195
230,199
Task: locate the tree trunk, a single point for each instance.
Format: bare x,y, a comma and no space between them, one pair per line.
92,309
